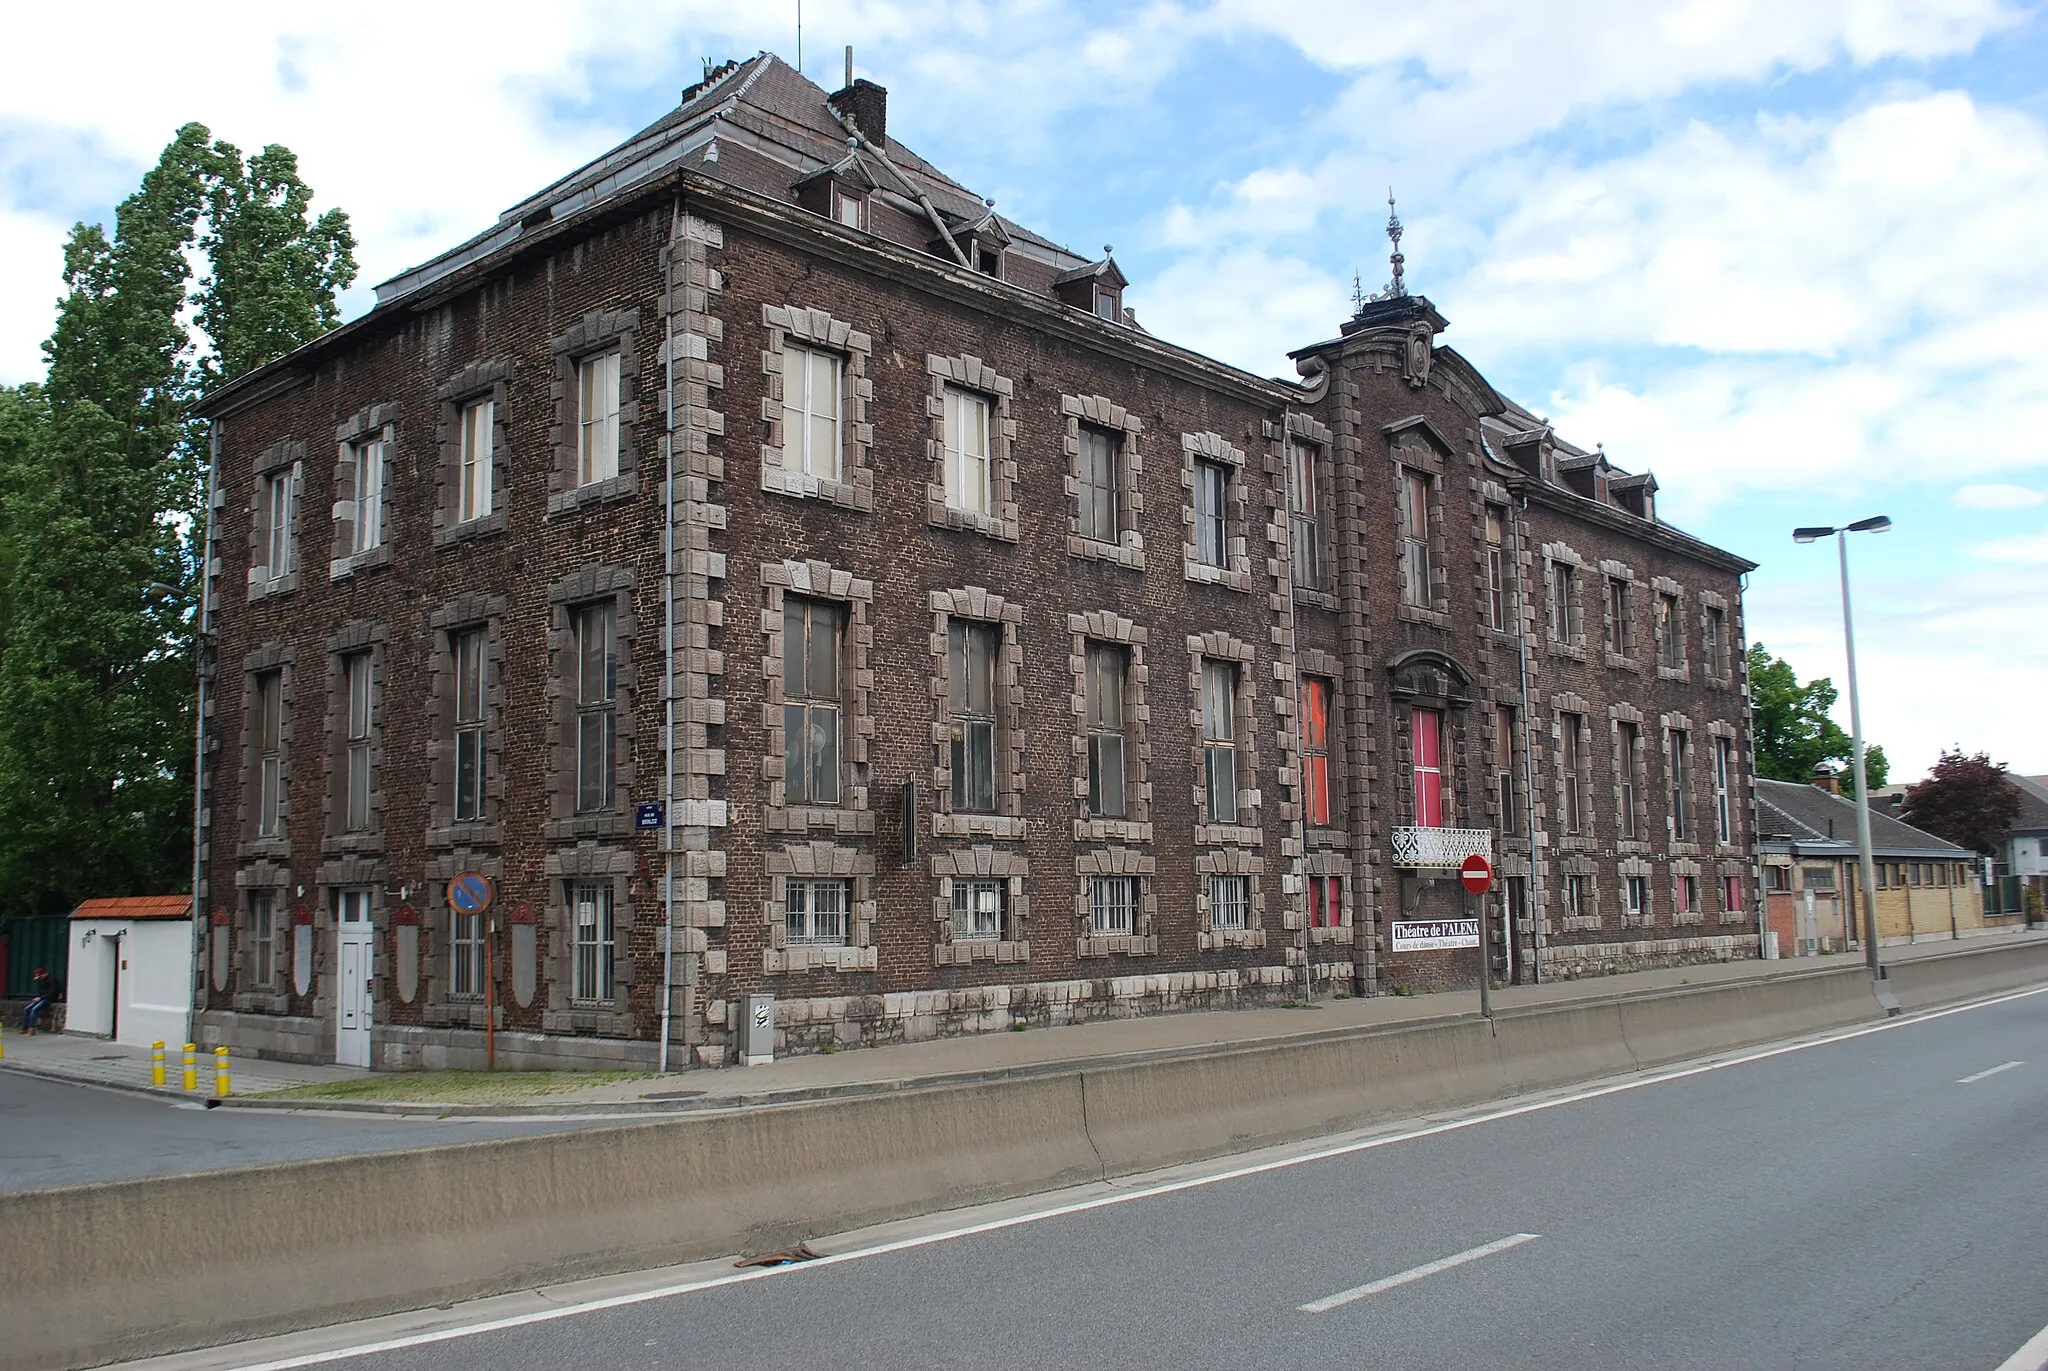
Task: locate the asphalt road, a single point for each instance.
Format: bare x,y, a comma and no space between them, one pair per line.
1851,1205
57,1134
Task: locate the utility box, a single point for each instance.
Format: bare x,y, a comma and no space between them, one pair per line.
757,1030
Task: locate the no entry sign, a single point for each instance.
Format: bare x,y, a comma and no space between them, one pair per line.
1477,874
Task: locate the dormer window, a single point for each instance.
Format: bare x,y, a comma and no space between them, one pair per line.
988,261
849,209
1108,304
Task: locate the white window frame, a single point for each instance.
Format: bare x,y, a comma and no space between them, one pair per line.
597,417
1416,494
810,776
477,422
358,681
1230,902
1635,895
1571,766
269,753
970,450
1219,739
1112,905
369,495
1105,671
816,911
593,942
1099,493
805,412
263,904
975,750
465,954
1724,809
1304,462
1212,512
978,909
277,503
593,635
472,720
1678,762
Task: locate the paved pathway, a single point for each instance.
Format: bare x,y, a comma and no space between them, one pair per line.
88,1060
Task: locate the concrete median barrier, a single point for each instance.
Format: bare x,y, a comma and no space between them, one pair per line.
1961,975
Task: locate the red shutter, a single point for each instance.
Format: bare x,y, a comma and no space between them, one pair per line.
1427,726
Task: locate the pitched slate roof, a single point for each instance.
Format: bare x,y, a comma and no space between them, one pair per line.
136,907
2033,813
1812,818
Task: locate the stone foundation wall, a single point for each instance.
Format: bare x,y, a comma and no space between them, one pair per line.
1578,960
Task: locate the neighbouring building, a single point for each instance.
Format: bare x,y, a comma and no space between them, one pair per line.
1927,887
2021,877
129,969
996,661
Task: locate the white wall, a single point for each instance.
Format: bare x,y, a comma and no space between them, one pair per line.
2027,857
155,980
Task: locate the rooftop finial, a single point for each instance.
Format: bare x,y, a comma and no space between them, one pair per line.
1397,288
1357,295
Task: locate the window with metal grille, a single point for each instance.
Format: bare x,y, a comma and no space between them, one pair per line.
1315,751
1212,524
1678,749
978,910
1102,694
474,498
1219,740
369,496
269,754
1496,567
1425,760
811,409
597,718
811,701
814,912
593,942
263,938
1229,902
1415,539
1111,902
355,758
971,701
465,953
967,451
1101,484
1304,466
467,647
597,418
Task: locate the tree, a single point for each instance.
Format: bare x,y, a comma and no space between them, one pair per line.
1967,800
1794,733
100,501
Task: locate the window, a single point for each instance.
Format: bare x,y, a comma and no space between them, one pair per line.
277,523
1315,752
1680,747
465,953
1228,901
1515,891
352,906
1564,603
468,650
590,906
262,938
1731,894
1637,897
1687,895
1571,768
1110,903
850,210
1670,633
1105,304
1817,877
1577,898
1714,644
1884,876
1102,691
1303,462
355,758
1212,493
811,636
1426,764
477,420
1325,902
597,418
1631,764
597,679
1219,740
1496,567
369,496
1617,616
1415,539
1724,770
1777,878
1504,766
269,754
967,451
815,912
811,410
971,696
977,910
1099,484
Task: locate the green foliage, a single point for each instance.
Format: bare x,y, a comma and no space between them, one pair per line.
1794,731
1967,800
101,473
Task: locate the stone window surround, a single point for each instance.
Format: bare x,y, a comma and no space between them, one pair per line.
1329,669
1636,866
977,603
1687,866
492,380
440,1005
1630,660
1139,867
565,867
285,453
1578,864
1107,626
819,581
467,611
261,660
1230,861
970,373
982,862
1666,724
815,328
373,423
1222,647
1236,572
358,637
271,997
1617,715
594,584
1324,863
1513,555
1100,412
1561,552
1302,428
1719,729
1664,585
596,333
1719,680
815,860
1560,705
1412,450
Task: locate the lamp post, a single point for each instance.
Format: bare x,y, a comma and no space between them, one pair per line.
1867,864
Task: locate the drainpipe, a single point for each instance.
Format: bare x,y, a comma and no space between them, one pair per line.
199,632
1528,764
668,646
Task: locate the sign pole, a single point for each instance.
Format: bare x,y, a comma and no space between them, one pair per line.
1485,961
491,991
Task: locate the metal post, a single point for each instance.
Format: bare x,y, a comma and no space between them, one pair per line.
668,643
490,919
1867,863
1485,960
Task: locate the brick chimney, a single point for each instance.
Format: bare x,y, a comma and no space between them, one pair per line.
1826,780
868,103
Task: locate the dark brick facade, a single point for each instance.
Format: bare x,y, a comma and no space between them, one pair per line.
700,284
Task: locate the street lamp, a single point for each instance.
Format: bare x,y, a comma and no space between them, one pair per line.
1868,863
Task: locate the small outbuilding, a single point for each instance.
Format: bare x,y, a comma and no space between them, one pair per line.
130,969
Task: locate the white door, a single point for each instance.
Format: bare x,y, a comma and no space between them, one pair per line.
355,940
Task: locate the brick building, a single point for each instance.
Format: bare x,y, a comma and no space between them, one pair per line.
997,661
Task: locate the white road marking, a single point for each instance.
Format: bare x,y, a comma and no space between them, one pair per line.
1359,1292
1100,1202
2032,1357
1992,1072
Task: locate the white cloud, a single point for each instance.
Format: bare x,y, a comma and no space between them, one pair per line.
34,246
1245,307
1998,496
2027,549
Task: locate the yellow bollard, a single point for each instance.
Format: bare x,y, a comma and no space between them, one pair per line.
220,1073
3,1042
191,1069
156,1065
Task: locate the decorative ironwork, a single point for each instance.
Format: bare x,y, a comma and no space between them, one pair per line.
1441,847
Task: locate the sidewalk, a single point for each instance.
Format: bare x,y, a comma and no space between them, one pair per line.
85,1060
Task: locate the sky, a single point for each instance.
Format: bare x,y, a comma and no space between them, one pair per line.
1789,257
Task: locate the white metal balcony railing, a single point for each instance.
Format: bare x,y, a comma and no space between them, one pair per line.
1441,847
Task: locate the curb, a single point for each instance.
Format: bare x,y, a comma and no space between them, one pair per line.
43,1073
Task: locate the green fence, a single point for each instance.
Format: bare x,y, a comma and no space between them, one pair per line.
32,943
